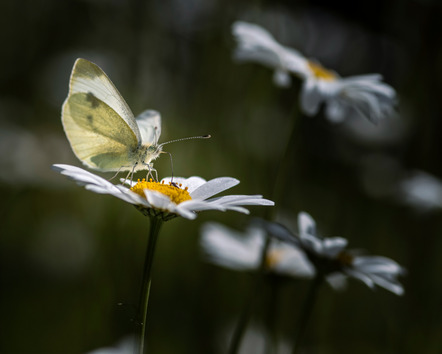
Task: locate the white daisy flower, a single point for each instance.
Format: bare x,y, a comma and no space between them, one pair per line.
364,95
242,251
125,346
330,258
421,190
166,199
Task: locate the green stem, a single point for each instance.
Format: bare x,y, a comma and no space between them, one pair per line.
247,310
271,314
306,311
155,225
284,164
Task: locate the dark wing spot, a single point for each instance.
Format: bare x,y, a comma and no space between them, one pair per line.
94,101
90,119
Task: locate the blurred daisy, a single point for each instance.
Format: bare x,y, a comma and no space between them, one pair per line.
168,199
364,95
125,346
421,191
242,251
330,257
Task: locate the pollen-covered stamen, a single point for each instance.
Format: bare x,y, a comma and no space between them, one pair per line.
320,72
172,190
345,258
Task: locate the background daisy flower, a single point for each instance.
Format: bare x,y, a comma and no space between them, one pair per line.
364,95
242,251
331,258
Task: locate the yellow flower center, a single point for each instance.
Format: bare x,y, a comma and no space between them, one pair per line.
320,72
273,257
172,190
345,258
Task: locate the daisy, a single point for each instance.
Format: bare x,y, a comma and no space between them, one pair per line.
124,346
331,259
421,190
364,95
170,197
242,251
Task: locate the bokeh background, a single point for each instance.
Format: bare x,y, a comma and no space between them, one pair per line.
69,257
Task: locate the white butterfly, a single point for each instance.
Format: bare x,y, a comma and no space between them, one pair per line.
101,128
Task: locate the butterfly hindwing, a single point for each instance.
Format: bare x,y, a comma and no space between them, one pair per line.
149,123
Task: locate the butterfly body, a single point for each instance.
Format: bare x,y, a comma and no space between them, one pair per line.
102,130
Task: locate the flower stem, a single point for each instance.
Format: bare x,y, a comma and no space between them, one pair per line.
247,310
307,311
272,314
155,225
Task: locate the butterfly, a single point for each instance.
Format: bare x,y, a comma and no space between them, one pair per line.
101,128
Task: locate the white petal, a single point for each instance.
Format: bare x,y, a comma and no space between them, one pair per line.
361,276
80,175
185,213
159,200
332,246
263,56
335,111
200,205
241,200
132,197
337,281
213,187
311,97
256,44
191,183
293,262
231,249
392,286
306,224
369,97
253,35
281,78
421,190
296,63
238,209
377,264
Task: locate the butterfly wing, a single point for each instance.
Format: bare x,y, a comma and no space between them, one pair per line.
88,77
99,125
98,136
149,123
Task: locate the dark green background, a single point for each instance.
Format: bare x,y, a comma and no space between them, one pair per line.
68,256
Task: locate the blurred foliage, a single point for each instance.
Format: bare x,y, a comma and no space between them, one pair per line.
68,256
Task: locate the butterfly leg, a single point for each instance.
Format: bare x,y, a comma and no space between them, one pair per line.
132,172
150,174
127,177
115,175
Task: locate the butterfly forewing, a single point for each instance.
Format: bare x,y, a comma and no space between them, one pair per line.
87,77
98,135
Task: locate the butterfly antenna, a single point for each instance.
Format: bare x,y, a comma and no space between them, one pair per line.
192,137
